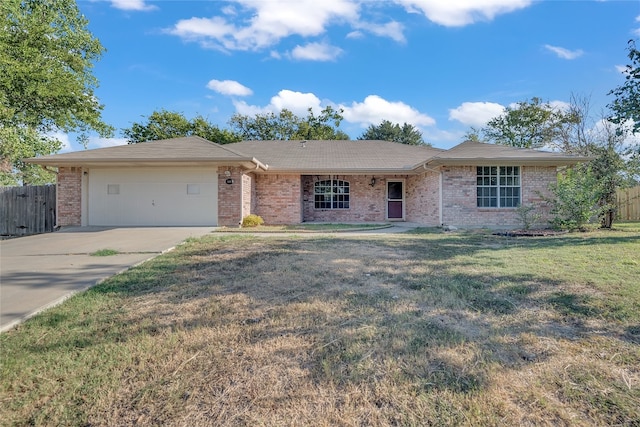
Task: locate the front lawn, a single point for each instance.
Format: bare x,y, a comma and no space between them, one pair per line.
422,328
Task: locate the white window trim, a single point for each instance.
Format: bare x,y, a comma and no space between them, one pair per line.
498,187
332,194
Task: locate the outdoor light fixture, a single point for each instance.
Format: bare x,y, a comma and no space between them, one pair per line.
373,182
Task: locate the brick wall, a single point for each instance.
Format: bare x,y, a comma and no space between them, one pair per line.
423,198
366,203
230,204
459,198
277,198
69,196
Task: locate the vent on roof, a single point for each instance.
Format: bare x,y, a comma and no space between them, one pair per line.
303,143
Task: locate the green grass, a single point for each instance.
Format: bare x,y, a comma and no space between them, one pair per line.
105,252
422,328
306,227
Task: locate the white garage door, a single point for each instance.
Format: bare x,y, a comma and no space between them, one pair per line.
153,196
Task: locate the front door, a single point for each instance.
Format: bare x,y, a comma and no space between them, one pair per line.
395,200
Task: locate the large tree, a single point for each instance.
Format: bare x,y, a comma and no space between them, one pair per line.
573,131
529,124
46,82
626,106
387,131
625,112
165,124
287,126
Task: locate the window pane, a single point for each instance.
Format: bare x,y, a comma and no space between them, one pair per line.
394,190
498,186
331,194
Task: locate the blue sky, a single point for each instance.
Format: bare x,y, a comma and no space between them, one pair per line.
443,66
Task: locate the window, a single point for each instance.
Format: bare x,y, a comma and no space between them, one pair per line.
331,194
498,186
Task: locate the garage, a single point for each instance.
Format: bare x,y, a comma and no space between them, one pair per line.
152,196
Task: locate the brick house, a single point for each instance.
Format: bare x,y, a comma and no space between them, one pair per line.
191,181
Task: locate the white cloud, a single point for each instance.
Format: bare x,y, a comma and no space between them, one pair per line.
210,32
375,109
252,25
138,5
97,142
564,53
94,142
394,30
371,111
560,105
316,52
622,69
229,87
296,102
63,138
457,13
268,23
476,114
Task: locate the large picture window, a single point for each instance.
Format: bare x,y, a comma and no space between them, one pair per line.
498,186
331,194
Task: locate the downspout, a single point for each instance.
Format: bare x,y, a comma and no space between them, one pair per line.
241,199
259,165
440,216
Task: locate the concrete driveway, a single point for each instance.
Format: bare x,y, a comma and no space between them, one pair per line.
37,272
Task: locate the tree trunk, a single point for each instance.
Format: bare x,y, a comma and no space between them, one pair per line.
607,219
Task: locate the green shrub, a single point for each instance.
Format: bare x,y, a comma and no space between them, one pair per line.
576,200
528,216
252,221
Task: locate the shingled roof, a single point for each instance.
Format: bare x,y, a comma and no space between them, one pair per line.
482,154
336,156
306,157
192,150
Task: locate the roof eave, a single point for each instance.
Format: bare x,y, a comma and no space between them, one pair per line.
507,161
341,171
248,163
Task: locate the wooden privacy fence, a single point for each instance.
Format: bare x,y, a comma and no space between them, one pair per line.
27,210
628,203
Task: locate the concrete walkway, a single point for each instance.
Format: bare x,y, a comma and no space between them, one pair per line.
37,272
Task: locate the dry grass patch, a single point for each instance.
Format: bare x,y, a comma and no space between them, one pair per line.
413,329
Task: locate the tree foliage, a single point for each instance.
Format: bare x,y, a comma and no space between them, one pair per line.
46,83
574,202
387,131
17,143
530,124
609,168
626,106
287,126
165,124
533,124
